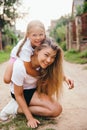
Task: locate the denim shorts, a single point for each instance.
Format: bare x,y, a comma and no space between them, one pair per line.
28,93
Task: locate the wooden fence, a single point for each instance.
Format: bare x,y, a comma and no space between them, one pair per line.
77,33
83,27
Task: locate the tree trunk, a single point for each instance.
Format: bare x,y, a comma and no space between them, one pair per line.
0,40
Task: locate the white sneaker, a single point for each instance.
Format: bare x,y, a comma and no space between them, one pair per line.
9,109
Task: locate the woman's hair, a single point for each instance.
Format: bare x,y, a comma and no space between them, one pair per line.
51,78
32,24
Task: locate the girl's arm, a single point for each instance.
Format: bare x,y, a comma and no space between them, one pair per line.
32,122
30,70
69,82
8,73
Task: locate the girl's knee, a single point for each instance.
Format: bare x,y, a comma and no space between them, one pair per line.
7,80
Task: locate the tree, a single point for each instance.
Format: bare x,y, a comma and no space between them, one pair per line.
8,11
7,14
59,31
79,10
85,7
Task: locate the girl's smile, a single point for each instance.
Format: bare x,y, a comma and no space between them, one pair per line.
36,36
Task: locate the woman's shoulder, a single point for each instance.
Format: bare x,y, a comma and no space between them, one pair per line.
19,65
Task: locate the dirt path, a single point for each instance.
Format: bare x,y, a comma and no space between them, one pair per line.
74,102
4,88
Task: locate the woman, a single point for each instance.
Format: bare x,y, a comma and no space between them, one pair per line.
47,59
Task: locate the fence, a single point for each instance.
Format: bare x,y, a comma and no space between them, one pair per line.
83,27
77,33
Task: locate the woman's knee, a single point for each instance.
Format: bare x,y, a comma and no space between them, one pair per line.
56,110
54,107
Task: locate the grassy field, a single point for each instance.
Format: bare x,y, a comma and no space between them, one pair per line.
20,123
76,57
4,56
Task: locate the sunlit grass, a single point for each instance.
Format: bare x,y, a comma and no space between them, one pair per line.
4,56
76,57
20,123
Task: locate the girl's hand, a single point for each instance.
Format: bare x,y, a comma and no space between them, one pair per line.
33,123
69,82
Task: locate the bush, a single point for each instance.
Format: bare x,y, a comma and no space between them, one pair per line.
63,45
83,54
8,48
72,51
85,7
76,56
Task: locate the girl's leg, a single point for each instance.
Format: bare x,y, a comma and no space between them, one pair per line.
8,71
44,106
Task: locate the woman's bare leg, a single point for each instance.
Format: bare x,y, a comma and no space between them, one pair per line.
44,106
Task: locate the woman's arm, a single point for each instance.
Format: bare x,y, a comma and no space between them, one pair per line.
32,122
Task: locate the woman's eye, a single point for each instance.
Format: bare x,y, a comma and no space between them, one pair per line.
34,35
46,55
54,57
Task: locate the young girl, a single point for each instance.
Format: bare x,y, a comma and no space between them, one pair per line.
34,36
37,101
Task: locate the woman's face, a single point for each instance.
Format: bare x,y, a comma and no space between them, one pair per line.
36,36
46,57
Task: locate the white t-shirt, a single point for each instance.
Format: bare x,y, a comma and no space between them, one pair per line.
26,51
20,77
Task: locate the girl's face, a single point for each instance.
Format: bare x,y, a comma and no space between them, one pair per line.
46,57
36,36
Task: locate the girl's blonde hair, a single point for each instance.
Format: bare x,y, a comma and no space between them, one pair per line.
32,24
51,78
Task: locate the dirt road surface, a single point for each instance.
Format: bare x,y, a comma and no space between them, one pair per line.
74,102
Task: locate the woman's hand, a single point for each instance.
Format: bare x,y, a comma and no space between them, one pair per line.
69,82
33,123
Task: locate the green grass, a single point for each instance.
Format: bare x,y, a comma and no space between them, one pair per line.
4,56
19,123
76,57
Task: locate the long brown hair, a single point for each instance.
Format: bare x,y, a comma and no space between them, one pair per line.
31,25
51,78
